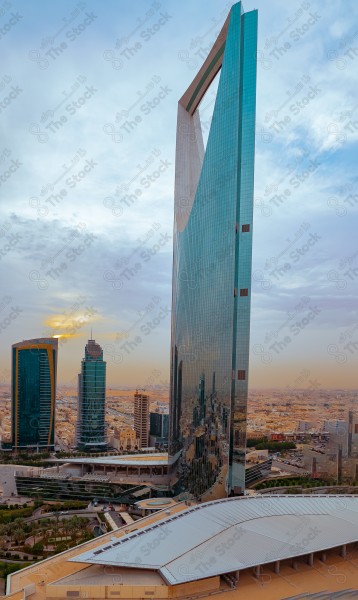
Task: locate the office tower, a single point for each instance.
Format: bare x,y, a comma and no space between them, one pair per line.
158,429
158,424
212,268
141,417
91,426
34,366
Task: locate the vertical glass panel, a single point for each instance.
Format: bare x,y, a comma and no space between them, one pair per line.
212,259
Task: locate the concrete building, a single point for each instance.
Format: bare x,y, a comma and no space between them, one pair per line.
124,478
141,418
212,267
34,368
125,440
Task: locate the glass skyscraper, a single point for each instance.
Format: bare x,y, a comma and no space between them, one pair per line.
212,269
34,366
91,426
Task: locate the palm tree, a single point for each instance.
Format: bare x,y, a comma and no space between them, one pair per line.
76,525
3,543
3,530
11,527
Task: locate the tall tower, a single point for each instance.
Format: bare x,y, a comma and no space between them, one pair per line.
91,426
34,367
212,268
141,418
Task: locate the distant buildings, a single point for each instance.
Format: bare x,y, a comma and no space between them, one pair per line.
306,426
336,427
34,366
141,418
91,426
212,268
125,440
335,456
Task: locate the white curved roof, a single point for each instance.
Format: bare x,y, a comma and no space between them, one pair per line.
232,534
138,460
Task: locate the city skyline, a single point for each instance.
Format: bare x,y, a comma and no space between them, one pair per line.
80,237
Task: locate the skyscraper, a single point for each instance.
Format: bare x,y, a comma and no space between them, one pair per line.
91,426
212,268
34,366
158,429
158,424
141,418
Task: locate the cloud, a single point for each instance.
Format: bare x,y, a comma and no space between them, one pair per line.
93,195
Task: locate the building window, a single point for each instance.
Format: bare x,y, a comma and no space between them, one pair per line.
241,375
244,292
235,292
245,228
356,428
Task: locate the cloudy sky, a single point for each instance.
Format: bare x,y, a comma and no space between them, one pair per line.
88,99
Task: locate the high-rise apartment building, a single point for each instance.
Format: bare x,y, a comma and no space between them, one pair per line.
212,268
34,366
141,418
91,426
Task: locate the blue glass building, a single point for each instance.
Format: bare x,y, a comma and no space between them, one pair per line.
91,426
212,269
34,366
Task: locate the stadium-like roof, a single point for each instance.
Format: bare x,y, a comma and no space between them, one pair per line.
137,460
233,534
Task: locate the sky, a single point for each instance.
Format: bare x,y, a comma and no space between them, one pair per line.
88,102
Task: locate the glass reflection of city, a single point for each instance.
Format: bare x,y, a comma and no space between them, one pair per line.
212,268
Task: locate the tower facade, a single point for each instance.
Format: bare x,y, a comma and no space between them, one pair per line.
158,424
212,268
141,418
34,367
91,426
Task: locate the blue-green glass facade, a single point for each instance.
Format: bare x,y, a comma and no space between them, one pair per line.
91,426
34,364
212,269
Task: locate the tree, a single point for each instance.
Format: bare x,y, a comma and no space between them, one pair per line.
19,534
3,544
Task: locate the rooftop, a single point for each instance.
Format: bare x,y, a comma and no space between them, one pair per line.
233,534
156,459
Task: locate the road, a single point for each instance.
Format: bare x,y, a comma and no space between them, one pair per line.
289,468
80,513
7,480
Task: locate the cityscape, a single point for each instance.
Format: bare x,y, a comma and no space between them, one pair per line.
179,415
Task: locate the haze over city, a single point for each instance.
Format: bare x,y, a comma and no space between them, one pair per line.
87,165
